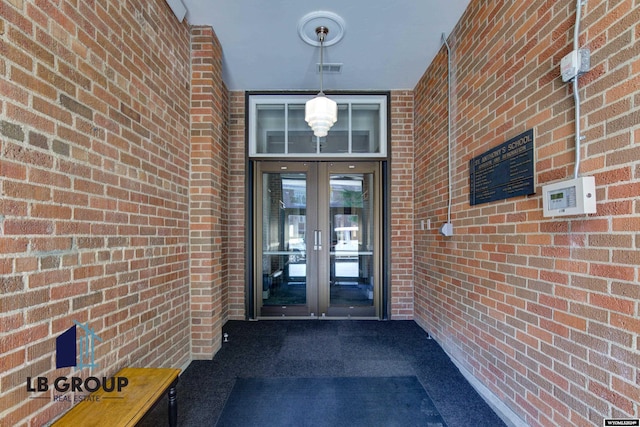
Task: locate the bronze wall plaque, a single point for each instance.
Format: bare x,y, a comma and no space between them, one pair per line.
504,171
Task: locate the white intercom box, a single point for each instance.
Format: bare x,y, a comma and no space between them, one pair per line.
572,197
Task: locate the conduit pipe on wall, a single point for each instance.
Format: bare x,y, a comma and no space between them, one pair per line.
447,228
573,196
576,88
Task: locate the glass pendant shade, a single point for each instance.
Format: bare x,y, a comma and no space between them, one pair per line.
321,113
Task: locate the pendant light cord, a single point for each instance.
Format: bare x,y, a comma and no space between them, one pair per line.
321,35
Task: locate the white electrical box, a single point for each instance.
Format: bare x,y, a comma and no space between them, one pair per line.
446,229
575,63
573,197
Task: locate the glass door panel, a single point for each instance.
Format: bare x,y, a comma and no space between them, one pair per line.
352,265
283,242
316,239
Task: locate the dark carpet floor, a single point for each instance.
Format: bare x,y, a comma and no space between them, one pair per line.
329,402
324,349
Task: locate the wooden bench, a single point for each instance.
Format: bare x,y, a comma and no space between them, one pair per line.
145,387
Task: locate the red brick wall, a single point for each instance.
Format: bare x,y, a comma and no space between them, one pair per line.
208,193
544,312
94,190
402,164
237,205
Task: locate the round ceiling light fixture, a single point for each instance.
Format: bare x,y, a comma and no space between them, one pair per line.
311,21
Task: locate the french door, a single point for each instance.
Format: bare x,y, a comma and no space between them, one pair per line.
317,239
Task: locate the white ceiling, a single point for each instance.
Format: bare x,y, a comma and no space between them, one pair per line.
386,44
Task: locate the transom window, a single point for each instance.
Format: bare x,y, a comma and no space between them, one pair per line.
277,127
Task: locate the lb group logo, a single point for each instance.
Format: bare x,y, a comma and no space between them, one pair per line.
75,347
68,345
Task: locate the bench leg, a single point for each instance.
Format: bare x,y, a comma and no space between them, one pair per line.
173,405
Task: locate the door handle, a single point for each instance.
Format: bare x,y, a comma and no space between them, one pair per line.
317,240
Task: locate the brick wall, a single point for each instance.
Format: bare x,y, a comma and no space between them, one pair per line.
542,311
94,190
208,193
237,206
401,199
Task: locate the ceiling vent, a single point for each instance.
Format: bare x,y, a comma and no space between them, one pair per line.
335,68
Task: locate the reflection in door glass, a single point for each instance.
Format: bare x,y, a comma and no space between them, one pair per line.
351,224
284,268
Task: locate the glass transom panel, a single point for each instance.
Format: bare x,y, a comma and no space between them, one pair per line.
277,128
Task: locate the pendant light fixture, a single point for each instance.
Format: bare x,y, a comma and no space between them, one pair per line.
321,112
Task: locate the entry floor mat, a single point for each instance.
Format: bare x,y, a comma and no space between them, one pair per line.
330,402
